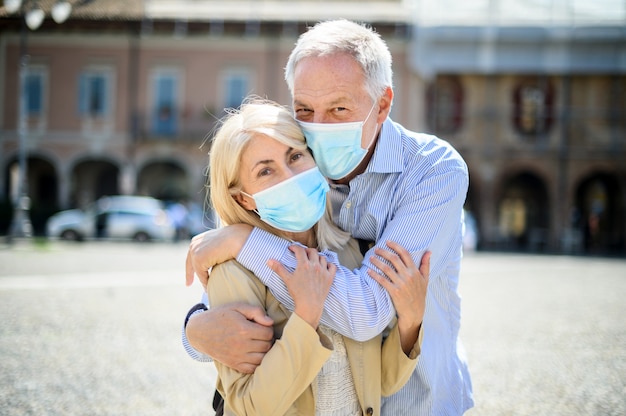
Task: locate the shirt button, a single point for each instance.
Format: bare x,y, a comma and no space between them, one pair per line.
369,411
348,204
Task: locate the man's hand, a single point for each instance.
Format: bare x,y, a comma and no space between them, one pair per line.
237,335
214,247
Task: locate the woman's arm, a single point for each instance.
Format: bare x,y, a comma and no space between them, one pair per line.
407,287
296,357
396,365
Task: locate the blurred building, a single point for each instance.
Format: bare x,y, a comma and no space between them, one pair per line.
122,96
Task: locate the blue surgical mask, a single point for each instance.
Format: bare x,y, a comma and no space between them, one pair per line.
336,147
295,204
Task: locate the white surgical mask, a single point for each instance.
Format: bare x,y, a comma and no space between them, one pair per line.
295,204
336,147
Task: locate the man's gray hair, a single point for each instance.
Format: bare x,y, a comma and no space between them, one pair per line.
343,36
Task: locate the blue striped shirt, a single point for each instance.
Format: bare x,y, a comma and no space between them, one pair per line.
412,192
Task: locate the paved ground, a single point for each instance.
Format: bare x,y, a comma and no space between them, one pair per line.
94,329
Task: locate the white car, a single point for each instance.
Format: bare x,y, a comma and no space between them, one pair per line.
117,217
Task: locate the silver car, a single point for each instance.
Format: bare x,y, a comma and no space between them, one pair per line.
116,217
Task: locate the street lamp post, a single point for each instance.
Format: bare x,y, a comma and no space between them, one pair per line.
33,17
22,226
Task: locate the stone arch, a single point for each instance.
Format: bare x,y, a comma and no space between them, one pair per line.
42,184
92,178
523,211
163,179
599,212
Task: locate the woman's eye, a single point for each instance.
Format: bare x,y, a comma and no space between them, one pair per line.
264,172
296,156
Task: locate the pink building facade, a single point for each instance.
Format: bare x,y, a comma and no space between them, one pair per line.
123,102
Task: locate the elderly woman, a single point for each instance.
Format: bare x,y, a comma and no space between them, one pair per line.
262,174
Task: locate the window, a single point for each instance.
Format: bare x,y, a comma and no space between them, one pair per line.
34,93
94,93
165,102
237,87
532,107
34,98
444,105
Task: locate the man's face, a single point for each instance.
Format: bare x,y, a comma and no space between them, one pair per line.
331,89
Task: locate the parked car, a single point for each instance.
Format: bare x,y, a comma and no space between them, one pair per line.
116,217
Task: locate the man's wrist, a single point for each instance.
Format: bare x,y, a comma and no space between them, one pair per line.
197,308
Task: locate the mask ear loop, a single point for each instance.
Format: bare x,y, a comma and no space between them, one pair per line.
370,113
375,128
372,139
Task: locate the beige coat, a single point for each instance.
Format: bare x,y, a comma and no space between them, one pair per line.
283,383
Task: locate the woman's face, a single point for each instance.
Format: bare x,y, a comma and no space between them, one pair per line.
266,162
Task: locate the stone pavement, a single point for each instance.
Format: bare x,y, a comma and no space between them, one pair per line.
94,329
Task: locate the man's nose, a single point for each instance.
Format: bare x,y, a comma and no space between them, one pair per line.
320,118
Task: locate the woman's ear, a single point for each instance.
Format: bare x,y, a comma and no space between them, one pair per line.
246,202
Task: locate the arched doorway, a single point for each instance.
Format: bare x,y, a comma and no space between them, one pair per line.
42,189
600,214
523,213
164,180
92,179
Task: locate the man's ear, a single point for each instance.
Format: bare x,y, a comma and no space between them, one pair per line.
384,104
245,202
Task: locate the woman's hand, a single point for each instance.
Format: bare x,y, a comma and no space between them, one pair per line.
309,284
407,286
214,247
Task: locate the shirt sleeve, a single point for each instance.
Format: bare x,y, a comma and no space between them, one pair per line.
429,218
191,351
356,307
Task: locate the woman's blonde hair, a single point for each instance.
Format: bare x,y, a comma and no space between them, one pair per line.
256,117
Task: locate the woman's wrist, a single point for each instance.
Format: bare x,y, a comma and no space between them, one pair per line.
409,332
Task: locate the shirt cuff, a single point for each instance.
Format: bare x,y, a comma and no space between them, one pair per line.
192,352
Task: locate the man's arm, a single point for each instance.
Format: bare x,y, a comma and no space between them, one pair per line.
235,334
191,351
427,219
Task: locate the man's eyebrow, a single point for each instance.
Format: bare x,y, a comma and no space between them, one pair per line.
299,103
340,100
337,101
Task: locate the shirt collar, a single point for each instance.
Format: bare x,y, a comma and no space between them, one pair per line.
387,157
